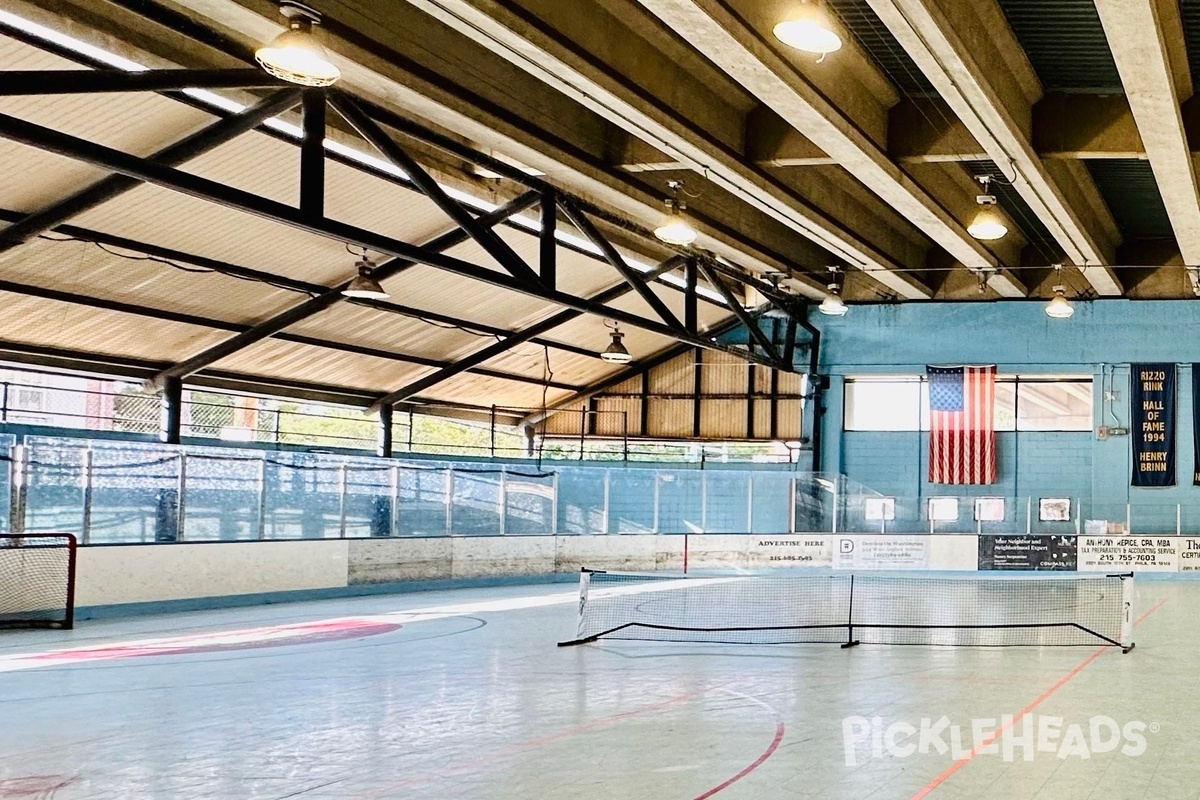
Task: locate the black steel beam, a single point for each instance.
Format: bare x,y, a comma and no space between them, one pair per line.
752,328
73,298
514,339
312,154
632,277
697,390
73,147
94,81
690,310
327,298
385,432
112,186
486,238
789,341
547,240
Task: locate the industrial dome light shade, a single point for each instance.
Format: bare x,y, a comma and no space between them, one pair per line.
616,352
809,30
1059,306
295,55
833,306
988,225
364,286
673,228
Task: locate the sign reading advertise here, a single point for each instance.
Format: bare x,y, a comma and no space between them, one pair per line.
1125,553
1152,400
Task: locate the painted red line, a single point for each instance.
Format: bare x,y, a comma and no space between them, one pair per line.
753,765
1080,667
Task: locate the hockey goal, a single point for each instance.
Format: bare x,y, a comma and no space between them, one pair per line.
37,580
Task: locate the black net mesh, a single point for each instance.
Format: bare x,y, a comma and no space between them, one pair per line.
35,580
874,608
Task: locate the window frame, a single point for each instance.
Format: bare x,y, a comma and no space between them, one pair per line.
1014,380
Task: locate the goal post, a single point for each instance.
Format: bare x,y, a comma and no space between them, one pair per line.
37,580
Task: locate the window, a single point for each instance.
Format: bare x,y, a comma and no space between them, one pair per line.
1055,406
1035,403
884,404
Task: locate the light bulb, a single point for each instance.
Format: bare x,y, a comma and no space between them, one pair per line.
988,225
297,57
674,229
1059,306
364,286
616,352
833,306
809,30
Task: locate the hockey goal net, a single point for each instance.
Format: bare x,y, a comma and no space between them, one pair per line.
37,580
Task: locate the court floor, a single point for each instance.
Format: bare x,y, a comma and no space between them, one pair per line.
463,695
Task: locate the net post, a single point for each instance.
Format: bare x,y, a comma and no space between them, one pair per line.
585,580
69,616
1126,612
850,640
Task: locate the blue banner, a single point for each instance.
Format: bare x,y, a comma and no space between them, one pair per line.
1152,402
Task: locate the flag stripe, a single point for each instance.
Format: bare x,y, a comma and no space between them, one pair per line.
962,435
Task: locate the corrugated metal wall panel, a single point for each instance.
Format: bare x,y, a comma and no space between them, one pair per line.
722,373
677,376
618,416
723,419
789,419
762,420
670,419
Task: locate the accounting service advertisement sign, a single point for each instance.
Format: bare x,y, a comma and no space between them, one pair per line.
1125,553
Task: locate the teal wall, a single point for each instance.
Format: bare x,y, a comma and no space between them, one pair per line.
1103,338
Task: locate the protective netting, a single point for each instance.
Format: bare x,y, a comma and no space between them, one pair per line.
36,576
870,608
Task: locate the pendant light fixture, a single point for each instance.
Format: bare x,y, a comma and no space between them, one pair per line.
989,224
809,29
295,55
364,286
833,305
1059,306
616,353
673,229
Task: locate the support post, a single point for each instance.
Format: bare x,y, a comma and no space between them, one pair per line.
181,499
312,154
385,431
342,476
395,487
850,640
85,478
1127,595
18,481
173,410
261,522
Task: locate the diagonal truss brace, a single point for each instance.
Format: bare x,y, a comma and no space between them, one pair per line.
486,238
634,278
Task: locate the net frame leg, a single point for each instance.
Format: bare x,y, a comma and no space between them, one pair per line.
1127,594
585,580
850,640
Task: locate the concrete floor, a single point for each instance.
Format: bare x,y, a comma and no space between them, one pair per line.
469,698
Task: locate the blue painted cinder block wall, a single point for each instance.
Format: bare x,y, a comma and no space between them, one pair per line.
1101,340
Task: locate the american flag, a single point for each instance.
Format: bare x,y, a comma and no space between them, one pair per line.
962,431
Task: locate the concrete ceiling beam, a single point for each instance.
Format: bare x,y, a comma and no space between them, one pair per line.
564,67
1143,36
971,56
743,52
